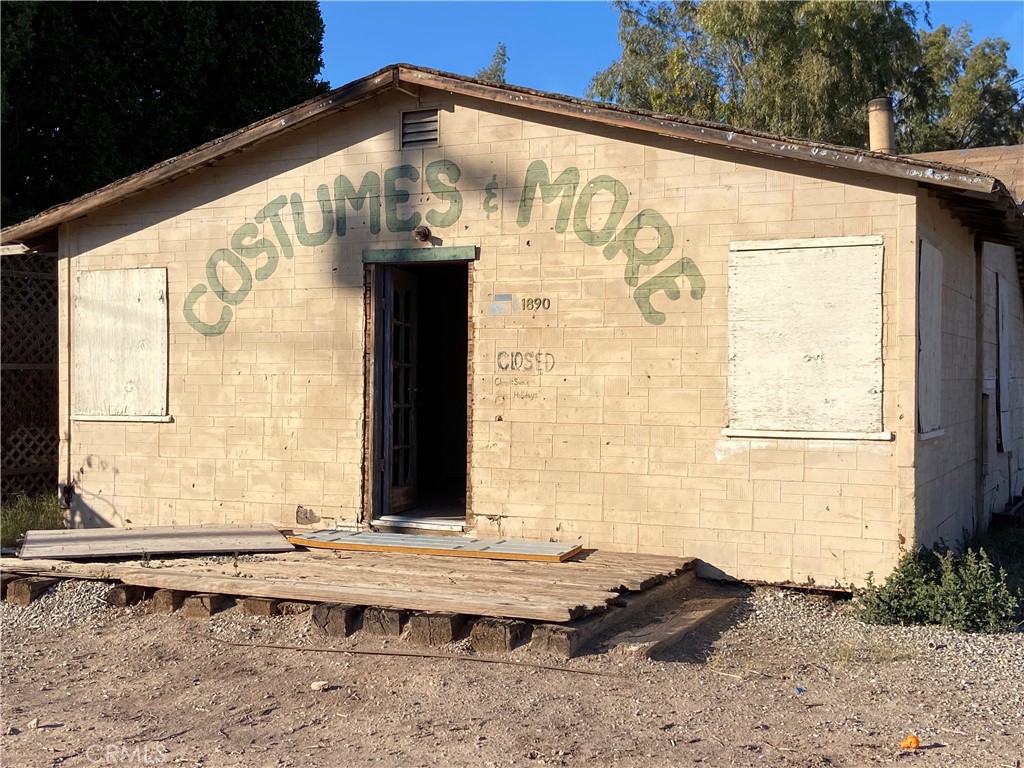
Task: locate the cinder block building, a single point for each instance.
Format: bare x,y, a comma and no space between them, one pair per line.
423,302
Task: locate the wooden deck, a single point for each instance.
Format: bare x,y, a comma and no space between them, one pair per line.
538,591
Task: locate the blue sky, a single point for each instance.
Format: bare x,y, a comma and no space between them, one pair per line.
552,46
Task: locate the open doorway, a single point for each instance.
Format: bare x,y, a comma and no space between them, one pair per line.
422,374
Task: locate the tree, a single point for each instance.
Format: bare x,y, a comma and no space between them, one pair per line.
965,95
96,91
495,71
809,68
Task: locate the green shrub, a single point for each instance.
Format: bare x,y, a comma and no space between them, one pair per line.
28,513
939,586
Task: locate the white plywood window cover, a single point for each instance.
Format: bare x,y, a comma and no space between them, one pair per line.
805,338
1003,357
929,340
119,345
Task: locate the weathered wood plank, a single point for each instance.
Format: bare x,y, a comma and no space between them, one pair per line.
399,582
399,596
5,579
25,591
258,606
387,622
497,635
616,575
434,629
395,572
80,543
335,619
566,640
123,595
655,637
929,334
444,546
167,601
823,354
119,345
201,606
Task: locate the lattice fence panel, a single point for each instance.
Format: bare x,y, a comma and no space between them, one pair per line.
28,374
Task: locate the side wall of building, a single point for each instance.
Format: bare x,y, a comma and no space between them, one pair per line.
615,440
1003,467
951,460
946,458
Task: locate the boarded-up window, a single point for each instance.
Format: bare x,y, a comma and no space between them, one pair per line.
929,339
119,344
1003,371
805,336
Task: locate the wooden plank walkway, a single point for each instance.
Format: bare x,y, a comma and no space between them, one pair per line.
537,591
91,543
445,546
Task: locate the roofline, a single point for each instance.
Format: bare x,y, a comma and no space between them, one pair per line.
936,175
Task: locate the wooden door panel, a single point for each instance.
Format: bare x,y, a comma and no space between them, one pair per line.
401,390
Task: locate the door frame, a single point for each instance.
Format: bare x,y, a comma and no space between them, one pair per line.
374,442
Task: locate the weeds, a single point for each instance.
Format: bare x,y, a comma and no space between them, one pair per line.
938,586
28,513
867,652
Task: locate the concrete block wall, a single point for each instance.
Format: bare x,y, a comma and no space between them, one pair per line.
946,464
267,415
616,440
620,443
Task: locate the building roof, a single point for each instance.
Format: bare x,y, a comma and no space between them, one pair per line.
1004,163
981,201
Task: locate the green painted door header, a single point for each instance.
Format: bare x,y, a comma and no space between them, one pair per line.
415,255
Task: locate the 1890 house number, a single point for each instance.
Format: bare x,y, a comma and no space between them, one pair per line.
536,303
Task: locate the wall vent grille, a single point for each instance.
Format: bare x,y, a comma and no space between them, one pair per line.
419,129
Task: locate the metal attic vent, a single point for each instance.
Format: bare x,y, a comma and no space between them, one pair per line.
419,129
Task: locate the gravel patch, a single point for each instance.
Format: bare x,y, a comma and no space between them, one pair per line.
66,604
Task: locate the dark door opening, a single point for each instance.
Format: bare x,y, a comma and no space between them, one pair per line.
424,370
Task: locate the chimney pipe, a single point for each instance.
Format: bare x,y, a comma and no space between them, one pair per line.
881,130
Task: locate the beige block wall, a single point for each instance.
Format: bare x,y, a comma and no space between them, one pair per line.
946,464
267,415
619,444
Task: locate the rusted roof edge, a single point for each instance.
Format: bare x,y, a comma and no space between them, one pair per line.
673,126
931,174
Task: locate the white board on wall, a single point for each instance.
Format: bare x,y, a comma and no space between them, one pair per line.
1003,371
119,344
929,339
805,335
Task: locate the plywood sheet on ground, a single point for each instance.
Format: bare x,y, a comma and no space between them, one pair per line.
552,592
445,546
92,543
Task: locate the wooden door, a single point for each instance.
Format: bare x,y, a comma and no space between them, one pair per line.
400,389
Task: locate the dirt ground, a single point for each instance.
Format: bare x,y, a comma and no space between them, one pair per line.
783,680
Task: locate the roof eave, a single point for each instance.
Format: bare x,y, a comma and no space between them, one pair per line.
934,175
709,133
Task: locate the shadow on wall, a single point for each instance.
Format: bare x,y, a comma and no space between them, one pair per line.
84,508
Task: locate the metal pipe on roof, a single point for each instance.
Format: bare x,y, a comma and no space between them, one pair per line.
881,128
